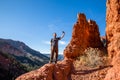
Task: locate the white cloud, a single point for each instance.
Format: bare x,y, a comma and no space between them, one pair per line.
46,42
60,42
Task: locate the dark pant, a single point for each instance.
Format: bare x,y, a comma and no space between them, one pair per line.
54,51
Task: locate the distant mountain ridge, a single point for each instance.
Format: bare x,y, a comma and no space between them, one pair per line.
21,53
10,68
60,56
19,46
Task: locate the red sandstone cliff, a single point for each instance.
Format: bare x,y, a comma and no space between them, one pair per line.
113,38
113,26
85,34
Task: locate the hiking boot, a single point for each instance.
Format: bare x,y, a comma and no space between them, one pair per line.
55,62
50,62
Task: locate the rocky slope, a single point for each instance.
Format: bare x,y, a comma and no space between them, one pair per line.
113,38
59,71
10,68
85,34
66,70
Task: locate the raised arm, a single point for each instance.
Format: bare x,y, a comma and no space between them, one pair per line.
63,34
51,43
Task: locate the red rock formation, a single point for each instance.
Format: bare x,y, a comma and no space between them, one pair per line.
113,26
59,71
113,38
85,34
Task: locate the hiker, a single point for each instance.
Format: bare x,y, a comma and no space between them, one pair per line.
54,46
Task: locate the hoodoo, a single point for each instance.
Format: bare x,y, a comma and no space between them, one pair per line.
85,34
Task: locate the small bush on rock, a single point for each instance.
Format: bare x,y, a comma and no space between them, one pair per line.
93,57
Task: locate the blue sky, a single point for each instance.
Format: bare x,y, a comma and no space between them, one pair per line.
34,21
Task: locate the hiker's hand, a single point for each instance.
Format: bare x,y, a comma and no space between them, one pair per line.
63,32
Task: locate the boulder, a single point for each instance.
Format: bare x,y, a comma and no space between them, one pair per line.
59,71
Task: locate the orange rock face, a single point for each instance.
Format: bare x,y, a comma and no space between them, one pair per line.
59,71
113,38
113,26
85,34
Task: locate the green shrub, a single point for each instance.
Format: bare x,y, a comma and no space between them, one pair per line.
92,57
